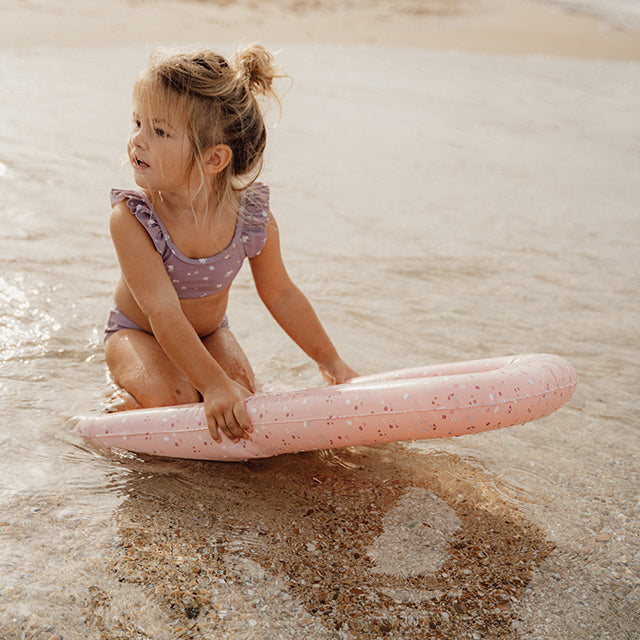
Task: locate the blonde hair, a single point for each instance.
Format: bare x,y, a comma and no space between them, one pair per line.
217,102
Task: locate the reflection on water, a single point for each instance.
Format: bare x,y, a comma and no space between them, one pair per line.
24,327
502,221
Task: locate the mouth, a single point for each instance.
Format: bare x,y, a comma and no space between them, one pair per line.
137,162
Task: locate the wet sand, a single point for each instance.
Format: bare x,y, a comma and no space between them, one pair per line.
457,556
374,542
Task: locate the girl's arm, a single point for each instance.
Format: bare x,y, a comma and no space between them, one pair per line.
293,312
145,275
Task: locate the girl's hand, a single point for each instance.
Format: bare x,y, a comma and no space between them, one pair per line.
337,372
226,412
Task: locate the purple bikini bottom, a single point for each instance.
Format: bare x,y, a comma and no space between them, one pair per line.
117,321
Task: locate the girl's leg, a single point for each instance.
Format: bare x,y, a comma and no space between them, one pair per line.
142,369
140,366
228,353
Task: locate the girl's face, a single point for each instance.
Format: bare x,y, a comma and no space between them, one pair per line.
159,151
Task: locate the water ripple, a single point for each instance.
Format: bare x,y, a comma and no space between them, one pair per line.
24,328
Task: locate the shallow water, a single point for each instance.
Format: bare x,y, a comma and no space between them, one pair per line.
435,207
620,12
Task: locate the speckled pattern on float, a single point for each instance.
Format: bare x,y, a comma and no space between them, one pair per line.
435,401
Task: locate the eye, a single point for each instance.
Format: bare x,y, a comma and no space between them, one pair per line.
161,133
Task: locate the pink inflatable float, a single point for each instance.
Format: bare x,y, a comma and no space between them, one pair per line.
435,401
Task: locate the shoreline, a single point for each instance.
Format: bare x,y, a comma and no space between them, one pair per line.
517,27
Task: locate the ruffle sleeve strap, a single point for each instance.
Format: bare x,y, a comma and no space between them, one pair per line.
142,209
254,217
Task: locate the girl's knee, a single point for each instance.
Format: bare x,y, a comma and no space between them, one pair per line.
169,392
228,353
160,389
140,367
244,377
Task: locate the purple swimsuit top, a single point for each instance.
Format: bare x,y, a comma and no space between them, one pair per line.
200,277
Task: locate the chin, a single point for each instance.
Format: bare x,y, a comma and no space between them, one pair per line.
140,180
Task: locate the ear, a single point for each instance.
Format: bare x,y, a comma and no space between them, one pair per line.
217,158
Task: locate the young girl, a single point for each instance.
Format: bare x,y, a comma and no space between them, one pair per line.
196,149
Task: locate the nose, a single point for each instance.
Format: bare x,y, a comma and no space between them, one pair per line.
136,137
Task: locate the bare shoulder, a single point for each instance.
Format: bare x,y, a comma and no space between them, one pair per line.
128,235
272,225
120,212
272,242
269,272
122,222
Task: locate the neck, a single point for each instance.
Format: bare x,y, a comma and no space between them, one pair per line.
199,206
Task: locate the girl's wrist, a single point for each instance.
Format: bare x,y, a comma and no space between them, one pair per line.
337,371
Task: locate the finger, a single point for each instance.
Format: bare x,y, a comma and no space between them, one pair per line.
325,374
213,430
232,425
220,425
240,413
224,429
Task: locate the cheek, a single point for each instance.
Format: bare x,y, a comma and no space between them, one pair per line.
181,160
175,164
186,155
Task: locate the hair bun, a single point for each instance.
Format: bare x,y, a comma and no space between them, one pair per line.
256,68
